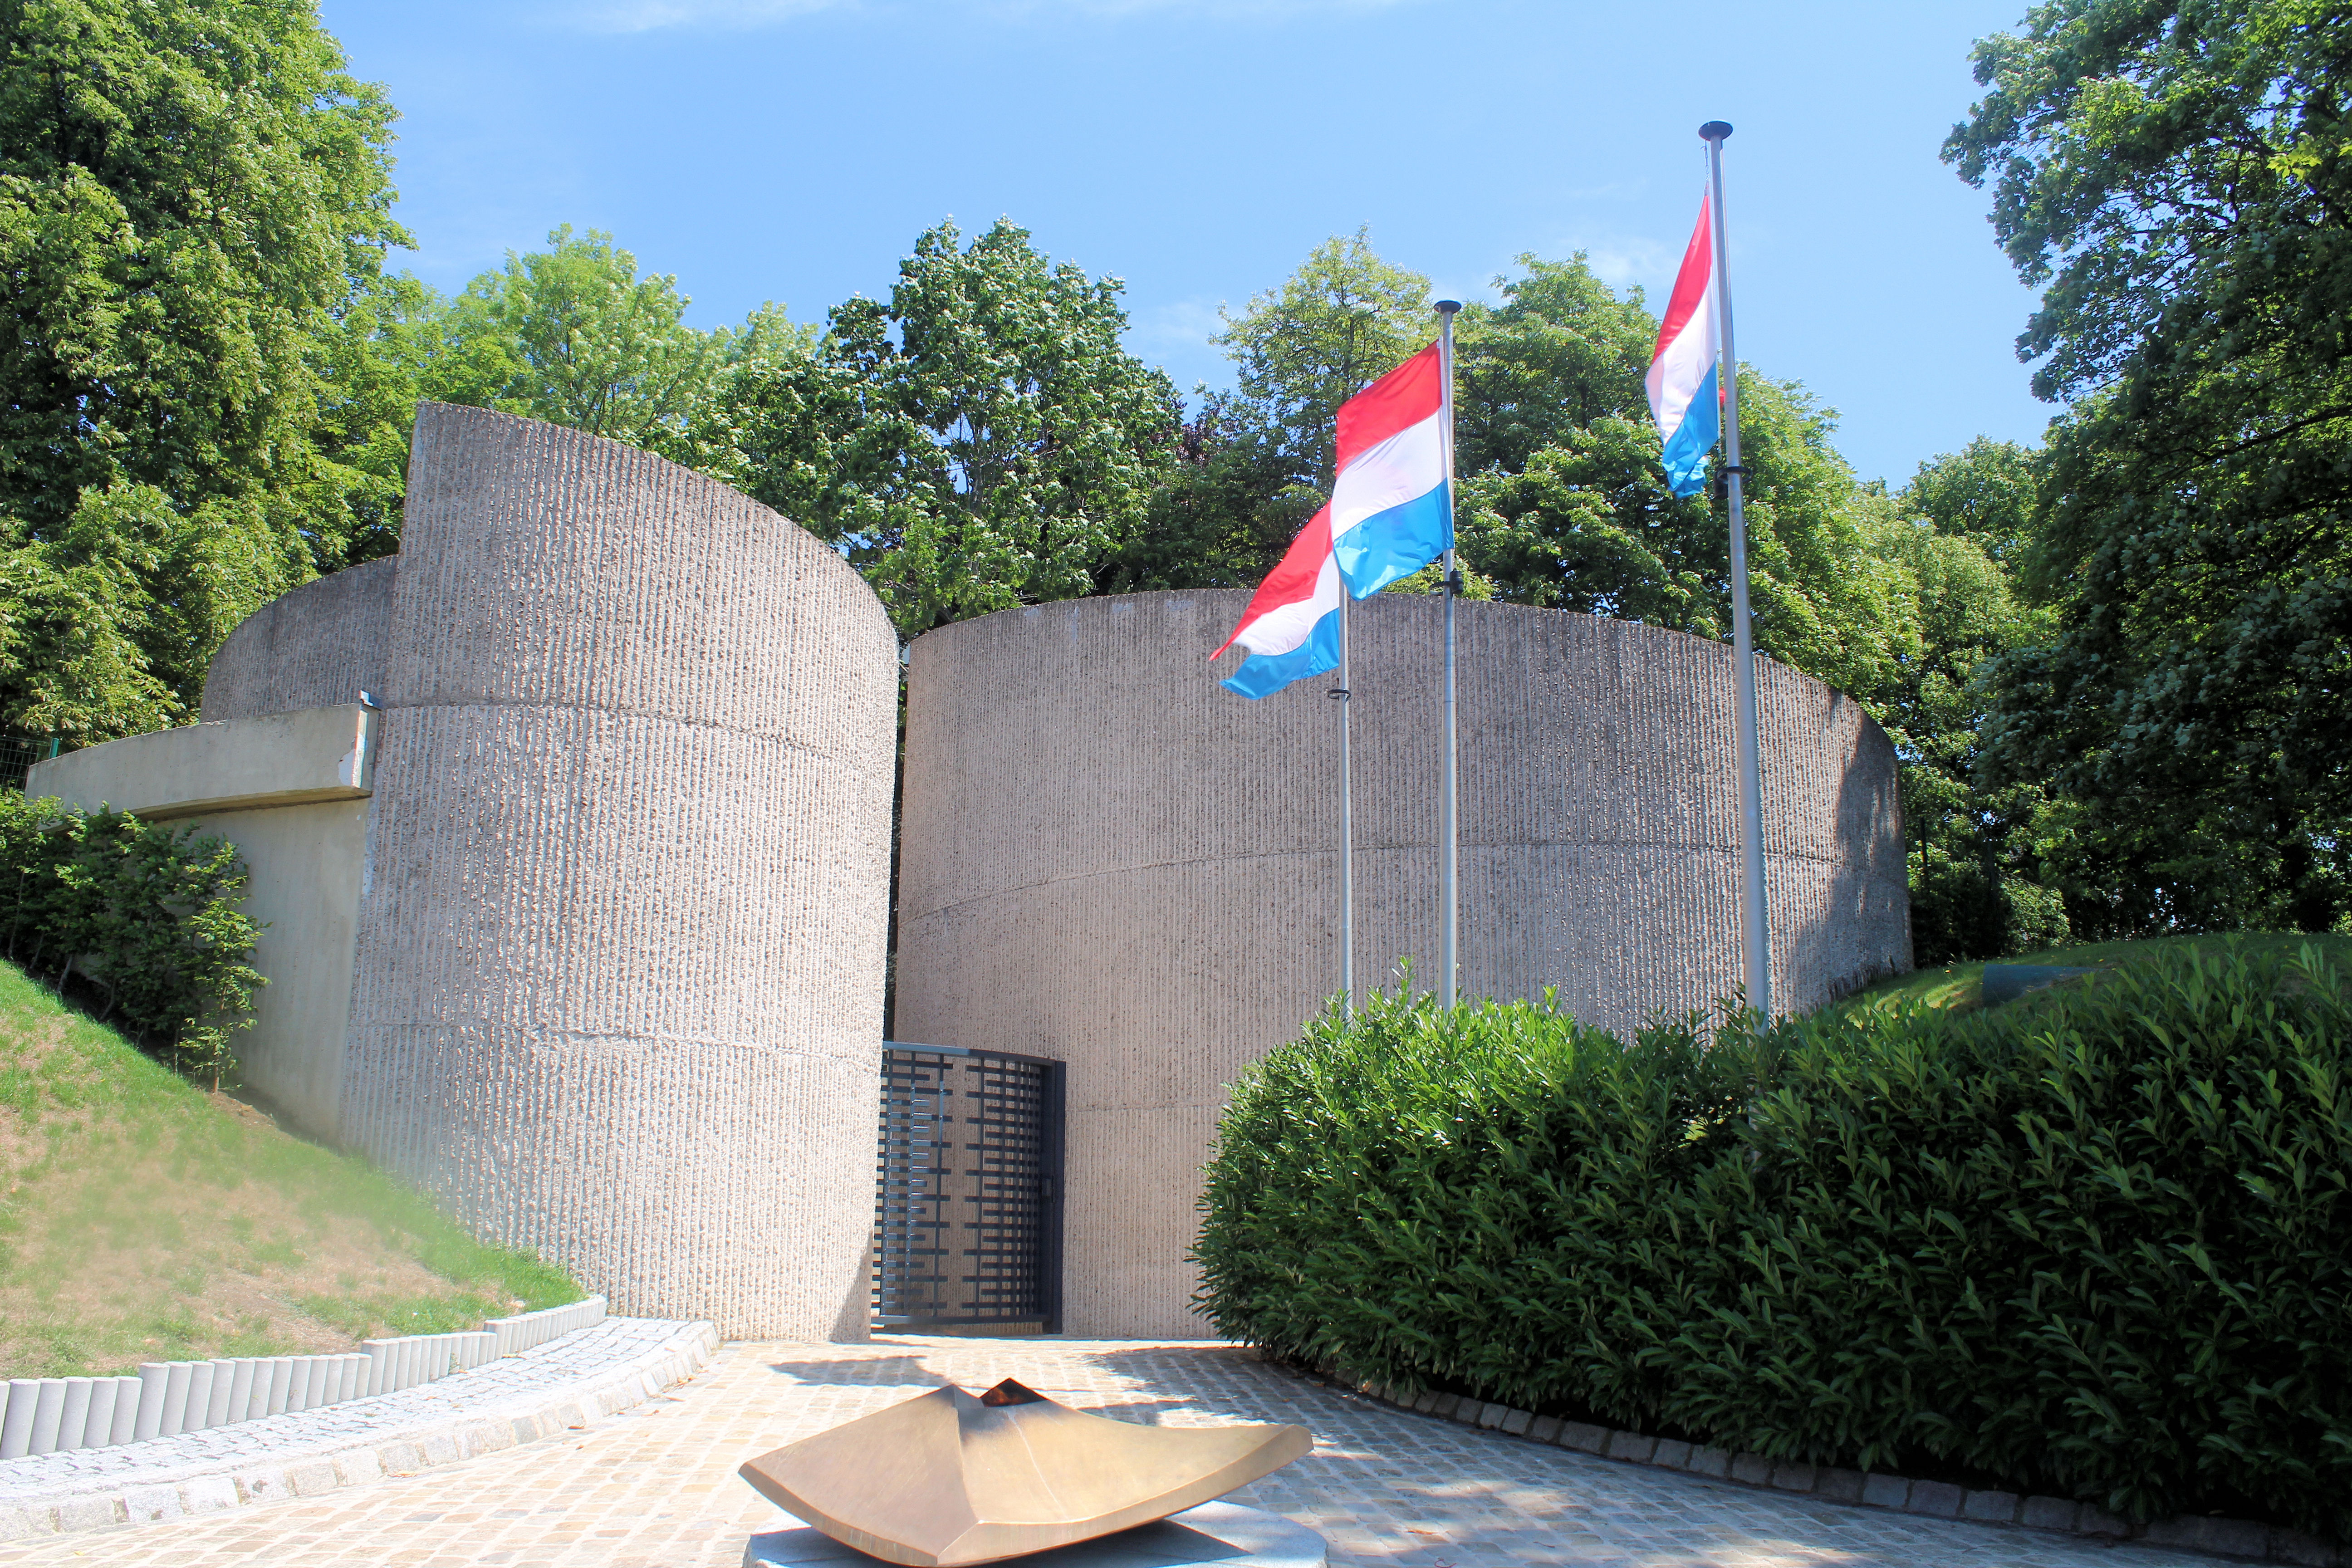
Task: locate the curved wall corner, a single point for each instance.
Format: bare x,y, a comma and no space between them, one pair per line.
1153,898
622,938
317,646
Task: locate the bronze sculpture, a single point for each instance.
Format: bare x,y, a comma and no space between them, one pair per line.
946,1479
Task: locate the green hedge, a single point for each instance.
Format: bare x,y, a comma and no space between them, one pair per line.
2097,1243
147,912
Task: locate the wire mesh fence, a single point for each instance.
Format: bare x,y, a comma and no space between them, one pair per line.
19,754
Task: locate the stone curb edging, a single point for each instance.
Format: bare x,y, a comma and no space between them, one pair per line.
336,1460
1932,1500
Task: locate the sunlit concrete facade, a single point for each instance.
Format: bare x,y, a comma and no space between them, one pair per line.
613,888
1108,859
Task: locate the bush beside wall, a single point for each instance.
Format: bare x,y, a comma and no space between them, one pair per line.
147,913
2098,1244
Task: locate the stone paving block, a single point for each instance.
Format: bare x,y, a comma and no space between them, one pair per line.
267,1485
207,1494
310,1479
1673,1453
17,1523
1426,1402
1885,1491
2235,1536
1794,1476
1584,1437
1991,1507
1544,1429
86,1513
2304,1550
1754,1469
1444,1405
2049,1513
1516,1422
358,1467
1633,1446
2093,1519
401,1459
1491,1414
1936,1500
147,1505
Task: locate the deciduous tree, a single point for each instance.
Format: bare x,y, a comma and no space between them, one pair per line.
2175,176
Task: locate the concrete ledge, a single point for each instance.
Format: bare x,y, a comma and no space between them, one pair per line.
237,765
537,1394
1933,1500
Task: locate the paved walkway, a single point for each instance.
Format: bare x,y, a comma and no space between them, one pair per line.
656,1488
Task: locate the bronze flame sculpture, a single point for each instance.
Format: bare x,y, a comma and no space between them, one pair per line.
945,1480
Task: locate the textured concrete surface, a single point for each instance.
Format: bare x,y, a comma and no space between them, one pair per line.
1108,859
321,645
303,866
289,790
283,759
557,1387
620,942
656,1488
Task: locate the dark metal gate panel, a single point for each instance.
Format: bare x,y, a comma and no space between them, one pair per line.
968,1205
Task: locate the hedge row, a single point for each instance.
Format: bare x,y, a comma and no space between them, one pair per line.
2098,1244
148,915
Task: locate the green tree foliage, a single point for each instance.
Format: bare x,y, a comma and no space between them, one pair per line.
2175,174
572,335
148,914
1987,492
1253,465
1345,319
983,441
187,190
2097,1243
1551,381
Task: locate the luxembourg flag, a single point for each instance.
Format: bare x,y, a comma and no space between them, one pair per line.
1389,517
1686,396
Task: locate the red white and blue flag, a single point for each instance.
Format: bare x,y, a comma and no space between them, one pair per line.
1389,517
1684,385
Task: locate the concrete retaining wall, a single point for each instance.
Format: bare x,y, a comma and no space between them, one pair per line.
291,791
64,1414
621,941
1110,860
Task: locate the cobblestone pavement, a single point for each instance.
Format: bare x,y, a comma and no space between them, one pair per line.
656,1488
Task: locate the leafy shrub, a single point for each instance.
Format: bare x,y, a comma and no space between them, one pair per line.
2097,1243
147,912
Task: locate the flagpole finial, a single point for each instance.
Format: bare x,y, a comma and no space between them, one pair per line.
1714,130
1447,307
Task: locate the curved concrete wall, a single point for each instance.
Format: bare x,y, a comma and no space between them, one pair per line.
317,646
1107,858
621,938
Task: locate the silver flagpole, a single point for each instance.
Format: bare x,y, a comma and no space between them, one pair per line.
1346,823
1755,933
1448,884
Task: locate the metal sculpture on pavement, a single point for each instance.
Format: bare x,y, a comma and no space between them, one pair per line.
948,1480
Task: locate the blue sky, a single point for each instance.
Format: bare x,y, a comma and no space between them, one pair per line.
791,150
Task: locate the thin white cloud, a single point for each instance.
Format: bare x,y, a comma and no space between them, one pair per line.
744,16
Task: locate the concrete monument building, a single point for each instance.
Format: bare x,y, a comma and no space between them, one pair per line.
581,922
1107,860
571,825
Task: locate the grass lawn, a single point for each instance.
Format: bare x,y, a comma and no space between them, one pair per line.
1962,985
145,1219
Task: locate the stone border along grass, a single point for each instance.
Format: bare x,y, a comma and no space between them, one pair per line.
538,1393
59,1415
1931,1499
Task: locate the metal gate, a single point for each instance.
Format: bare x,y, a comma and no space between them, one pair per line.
967,1206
